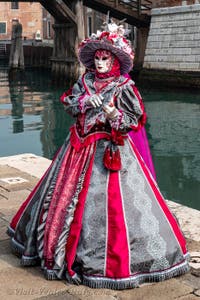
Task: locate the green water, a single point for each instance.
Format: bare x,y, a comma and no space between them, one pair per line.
32,120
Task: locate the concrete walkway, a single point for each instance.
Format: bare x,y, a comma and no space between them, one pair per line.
18,175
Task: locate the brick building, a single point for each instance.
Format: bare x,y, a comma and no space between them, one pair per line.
170,3
33,17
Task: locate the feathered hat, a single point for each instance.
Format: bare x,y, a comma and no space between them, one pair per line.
112,38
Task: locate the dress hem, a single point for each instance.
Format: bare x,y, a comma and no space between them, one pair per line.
102,282
18,250
135,280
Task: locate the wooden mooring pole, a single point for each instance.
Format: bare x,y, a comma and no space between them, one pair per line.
64,63
80,29
68,35
16,60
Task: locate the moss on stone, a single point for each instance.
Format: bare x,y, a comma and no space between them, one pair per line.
170,78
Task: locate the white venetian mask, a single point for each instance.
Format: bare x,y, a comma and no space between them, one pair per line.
103,61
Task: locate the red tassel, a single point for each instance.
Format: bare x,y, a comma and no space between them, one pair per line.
112,159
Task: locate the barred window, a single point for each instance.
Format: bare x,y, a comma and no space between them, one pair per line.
15,5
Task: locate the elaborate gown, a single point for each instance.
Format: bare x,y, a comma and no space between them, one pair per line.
97,216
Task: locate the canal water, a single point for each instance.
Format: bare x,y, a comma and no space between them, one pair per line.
32,120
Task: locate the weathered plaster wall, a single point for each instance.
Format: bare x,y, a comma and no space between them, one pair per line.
174,39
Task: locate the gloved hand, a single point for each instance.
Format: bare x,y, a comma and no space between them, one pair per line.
111,111
95,100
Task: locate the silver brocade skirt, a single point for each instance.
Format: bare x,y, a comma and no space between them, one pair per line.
102,228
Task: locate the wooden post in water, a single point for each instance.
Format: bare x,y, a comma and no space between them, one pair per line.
64,63
68,35
80,29
16,60
142,35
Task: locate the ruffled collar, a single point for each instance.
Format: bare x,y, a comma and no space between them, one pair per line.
107,75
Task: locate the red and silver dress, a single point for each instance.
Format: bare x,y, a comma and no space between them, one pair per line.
105,227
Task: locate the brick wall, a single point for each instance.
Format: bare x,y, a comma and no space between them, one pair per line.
169,3
29,15
174,39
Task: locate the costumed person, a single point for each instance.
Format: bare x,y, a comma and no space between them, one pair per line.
97,216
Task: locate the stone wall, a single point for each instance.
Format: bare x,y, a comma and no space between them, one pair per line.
174,39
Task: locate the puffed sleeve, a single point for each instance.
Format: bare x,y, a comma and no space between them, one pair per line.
130,109
72,98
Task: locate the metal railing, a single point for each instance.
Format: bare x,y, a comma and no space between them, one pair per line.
3,50
141,6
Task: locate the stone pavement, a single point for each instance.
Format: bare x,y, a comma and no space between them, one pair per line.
18,175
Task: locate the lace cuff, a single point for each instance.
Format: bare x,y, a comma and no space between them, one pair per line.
83,106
